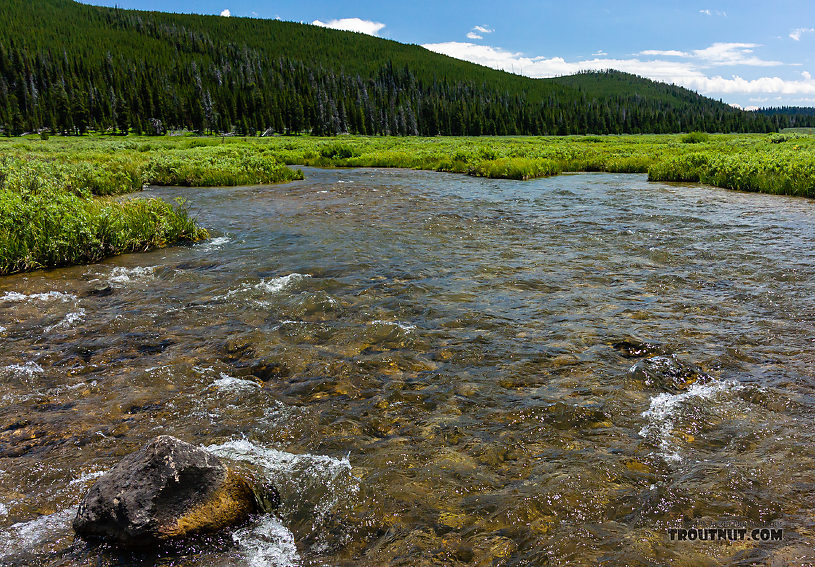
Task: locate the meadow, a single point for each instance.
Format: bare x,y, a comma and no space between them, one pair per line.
59,204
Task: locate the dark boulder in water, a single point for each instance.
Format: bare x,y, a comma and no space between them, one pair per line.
667,373
167,489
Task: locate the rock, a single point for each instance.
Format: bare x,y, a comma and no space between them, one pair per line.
632,348
101,291
167,489
667,373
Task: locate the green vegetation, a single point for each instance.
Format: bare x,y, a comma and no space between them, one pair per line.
56,209
53,205
776,163
216,166
694,138
44,223
74,68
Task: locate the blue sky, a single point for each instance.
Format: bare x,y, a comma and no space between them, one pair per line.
747,53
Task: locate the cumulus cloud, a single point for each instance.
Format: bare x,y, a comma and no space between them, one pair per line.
798,32
664,53
732,54
226,13
718,54
740,107
687,72
478,32
352,24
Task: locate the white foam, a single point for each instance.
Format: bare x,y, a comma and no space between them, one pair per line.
227,382
48,296
69,320
19,370
86,477
270,286
280,461
3,510
215,243
302,474
33,534
403,326
122,275
666,408
278,284
268,544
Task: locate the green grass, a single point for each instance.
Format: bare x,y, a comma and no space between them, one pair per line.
771,163
54,211
695,138
45,221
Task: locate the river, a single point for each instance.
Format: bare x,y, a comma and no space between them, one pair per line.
435,369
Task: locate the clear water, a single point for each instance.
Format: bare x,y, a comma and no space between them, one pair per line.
429,367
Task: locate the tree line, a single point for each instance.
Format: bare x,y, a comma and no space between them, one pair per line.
117,71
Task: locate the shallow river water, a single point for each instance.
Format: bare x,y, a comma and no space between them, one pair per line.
435,369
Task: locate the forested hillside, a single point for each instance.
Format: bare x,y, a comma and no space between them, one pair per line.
797,111
72,68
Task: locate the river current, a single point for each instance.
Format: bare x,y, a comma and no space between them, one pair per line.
435,369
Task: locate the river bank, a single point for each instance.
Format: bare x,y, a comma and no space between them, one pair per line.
50,189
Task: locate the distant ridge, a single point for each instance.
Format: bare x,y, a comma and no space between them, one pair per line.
71,67
799,111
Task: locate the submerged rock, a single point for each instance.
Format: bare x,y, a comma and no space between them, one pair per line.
632,348
100,291
167,489
667,373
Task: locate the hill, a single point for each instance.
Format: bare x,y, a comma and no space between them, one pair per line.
71,67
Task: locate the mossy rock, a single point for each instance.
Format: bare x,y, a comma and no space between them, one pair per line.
168,489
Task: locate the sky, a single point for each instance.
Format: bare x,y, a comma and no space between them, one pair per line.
746,53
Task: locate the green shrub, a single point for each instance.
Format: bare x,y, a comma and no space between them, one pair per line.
695,137
338,151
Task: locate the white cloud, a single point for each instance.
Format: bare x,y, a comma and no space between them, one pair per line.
732,54
687,73
798,32
718,54
226,13
352,24
740,107
478,32
498,58
599,53
713,13
806,75
665,53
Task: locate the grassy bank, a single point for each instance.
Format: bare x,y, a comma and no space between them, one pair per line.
53,211
776,163
53,205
